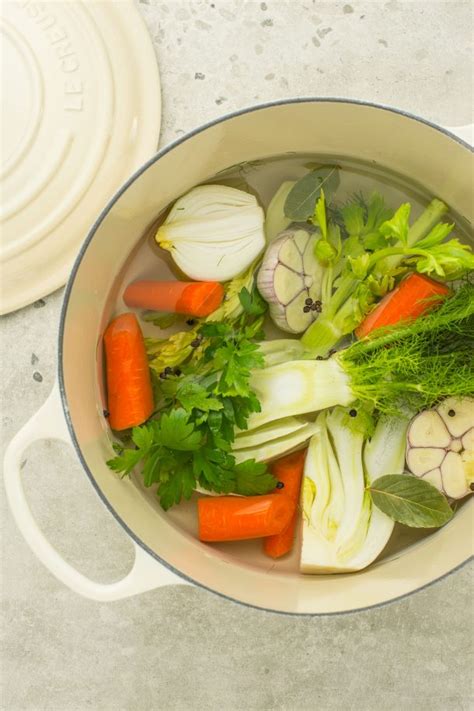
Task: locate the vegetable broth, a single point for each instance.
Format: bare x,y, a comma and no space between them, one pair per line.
263,179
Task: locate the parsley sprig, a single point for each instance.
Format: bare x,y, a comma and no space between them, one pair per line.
190,441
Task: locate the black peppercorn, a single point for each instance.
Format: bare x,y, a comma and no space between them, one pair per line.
319,358
451,413
196,342
177,371
191,321
168,370
280,485
309,301
353,413
163,375
106,413
306,309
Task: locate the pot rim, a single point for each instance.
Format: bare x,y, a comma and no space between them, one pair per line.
70,284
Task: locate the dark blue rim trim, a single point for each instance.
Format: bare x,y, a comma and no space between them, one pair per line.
67,295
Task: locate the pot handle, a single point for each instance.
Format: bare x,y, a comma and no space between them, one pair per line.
145,574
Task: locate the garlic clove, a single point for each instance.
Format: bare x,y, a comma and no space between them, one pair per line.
434,477
457,414
297,319
290,255
423,459
286,289
454,476
303,241
468,440
427,428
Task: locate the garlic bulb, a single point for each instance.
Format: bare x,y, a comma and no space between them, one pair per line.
440,446
213,232
290,280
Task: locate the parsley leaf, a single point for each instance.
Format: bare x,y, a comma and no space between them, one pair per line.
252,303
174,431
142,437
127,461
193,395
178,486
253,478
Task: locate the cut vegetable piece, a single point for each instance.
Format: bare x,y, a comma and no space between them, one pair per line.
410,299
348,451
277,447
457,414
286,288
297,388
290,280
453,476
129,391
440,446
423,459
232,518
290,253
434,477
276,221
182,297
295,315
267,433
288,471
357,531
213,232
428,427
467,440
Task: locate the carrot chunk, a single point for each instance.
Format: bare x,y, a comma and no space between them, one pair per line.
129,391
289,471
411,298
193,298
234,518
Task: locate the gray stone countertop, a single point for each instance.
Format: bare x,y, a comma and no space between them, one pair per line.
183,648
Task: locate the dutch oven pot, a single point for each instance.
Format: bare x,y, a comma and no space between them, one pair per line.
166,550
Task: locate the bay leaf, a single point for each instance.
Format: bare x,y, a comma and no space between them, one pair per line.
411,501
301,200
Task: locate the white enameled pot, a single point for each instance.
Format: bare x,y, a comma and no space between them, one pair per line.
167,551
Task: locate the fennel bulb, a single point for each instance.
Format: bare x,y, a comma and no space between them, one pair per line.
273,448
214,232
342,530
413,365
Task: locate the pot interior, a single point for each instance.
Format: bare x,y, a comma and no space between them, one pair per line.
376,150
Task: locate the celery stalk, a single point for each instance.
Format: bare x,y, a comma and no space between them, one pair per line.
342,313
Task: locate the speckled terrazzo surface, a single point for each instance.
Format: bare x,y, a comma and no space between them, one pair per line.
182,648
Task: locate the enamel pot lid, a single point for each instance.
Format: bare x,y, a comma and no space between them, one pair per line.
81,111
